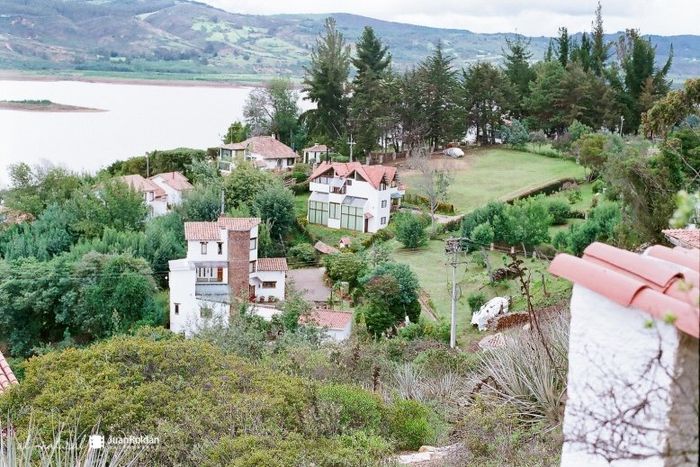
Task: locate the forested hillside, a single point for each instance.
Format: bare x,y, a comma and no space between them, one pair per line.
183,39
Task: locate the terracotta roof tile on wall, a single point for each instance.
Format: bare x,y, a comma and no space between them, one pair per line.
238,223
317,148
336,320
205,231
142,185
175,180
272,264
268,147
7,377
688,238
655,282
374,174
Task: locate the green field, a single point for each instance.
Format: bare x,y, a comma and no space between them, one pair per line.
493,174
430,265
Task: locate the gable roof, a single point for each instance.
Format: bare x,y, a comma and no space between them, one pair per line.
660,282
268,147
317,148
687,238
374,174
334,320
7,377
142,185
175,180
272,264
207,231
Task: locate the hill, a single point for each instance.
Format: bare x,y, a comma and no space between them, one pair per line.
185,39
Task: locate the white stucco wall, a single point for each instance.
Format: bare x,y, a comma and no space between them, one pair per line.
174,196
259,277
181,281
339,335
612,350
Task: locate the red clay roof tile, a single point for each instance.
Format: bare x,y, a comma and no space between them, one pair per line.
7,377
174,180
268,147
272,264
335,320
374,174
687,238
660,282
205,231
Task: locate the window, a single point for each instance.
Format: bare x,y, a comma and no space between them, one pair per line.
253,243
382,186
352,218
383,221
383,203
209,274
269,285
177,308
206,313
334,210
318,212
219,274
348,182
203,246
251,266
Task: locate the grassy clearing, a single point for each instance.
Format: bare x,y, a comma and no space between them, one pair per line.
493,174
429,264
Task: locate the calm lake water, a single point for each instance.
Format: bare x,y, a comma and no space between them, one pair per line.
139,118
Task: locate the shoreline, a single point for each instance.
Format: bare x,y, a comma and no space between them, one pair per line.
12,75
50,107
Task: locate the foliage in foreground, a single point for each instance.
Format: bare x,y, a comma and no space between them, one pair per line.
208,407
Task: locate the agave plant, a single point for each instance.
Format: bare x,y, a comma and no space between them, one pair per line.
66,449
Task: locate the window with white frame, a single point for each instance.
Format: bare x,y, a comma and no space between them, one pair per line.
383,221
269,284
203,247
251,266
383,203
177,308
220,248
253,243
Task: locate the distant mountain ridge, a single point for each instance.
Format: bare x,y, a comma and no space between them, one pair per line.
181,39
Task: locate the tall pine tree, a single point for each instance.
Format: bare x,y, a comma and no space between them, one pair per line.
563,42
438,86
369,103
599,49
325,84
517,57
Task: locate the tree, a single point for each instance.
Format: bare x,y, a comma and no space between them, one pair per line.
345,267
273,110
432,183
486,95
275,205
405,302
325,84
236,133
244,183
410,231
515,134
672,109
581,53
482,236
369,100
599,49
437,86
202,203
544,99
381,293
518,71
563,44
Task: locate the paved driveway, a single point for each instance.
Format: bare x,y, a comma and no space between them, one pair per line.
309,281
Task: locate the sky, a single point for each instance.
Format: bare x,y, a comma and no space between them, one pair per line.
529,17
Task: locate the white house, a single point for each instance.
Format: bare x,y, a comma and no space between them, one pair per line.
336,325
315,154
632,393
265,152
353,196
221,268
153,195
174,184
160,192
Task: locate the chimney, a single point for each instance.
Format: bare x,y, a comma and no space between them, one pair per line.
238,264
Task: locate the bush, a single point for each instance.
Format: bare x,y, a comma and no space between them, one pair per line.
574,196
410,231
440,361
476,300
344,267
409,424
560,211
359,409
598,186
302,254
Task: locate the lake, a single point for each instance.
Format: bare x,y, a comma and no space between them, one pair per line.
138,118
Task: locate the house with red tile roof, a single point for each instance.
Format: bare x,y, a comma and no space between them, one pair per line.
353,196
686,238
7,377
315,154
265,152
221,269
337,325
633,356
160,192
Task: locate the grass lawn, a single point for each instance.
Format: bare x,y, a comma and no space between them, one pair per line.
493,174
586,190
429,264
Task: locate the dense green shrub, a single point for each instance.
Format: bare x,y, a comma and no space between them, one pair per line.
476,300
345,267
302,254
410,231
560,211
409,424
439,361
358,409
598,186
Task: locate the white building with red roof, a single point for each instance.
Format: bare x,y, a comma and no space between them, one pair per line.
265,152
632,392
160,192
353,196
222,269
336,325
315,153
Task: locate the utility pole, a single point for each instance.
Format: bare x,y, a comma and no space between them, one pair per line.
148,165
222,202
622,121
453,246
351,143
